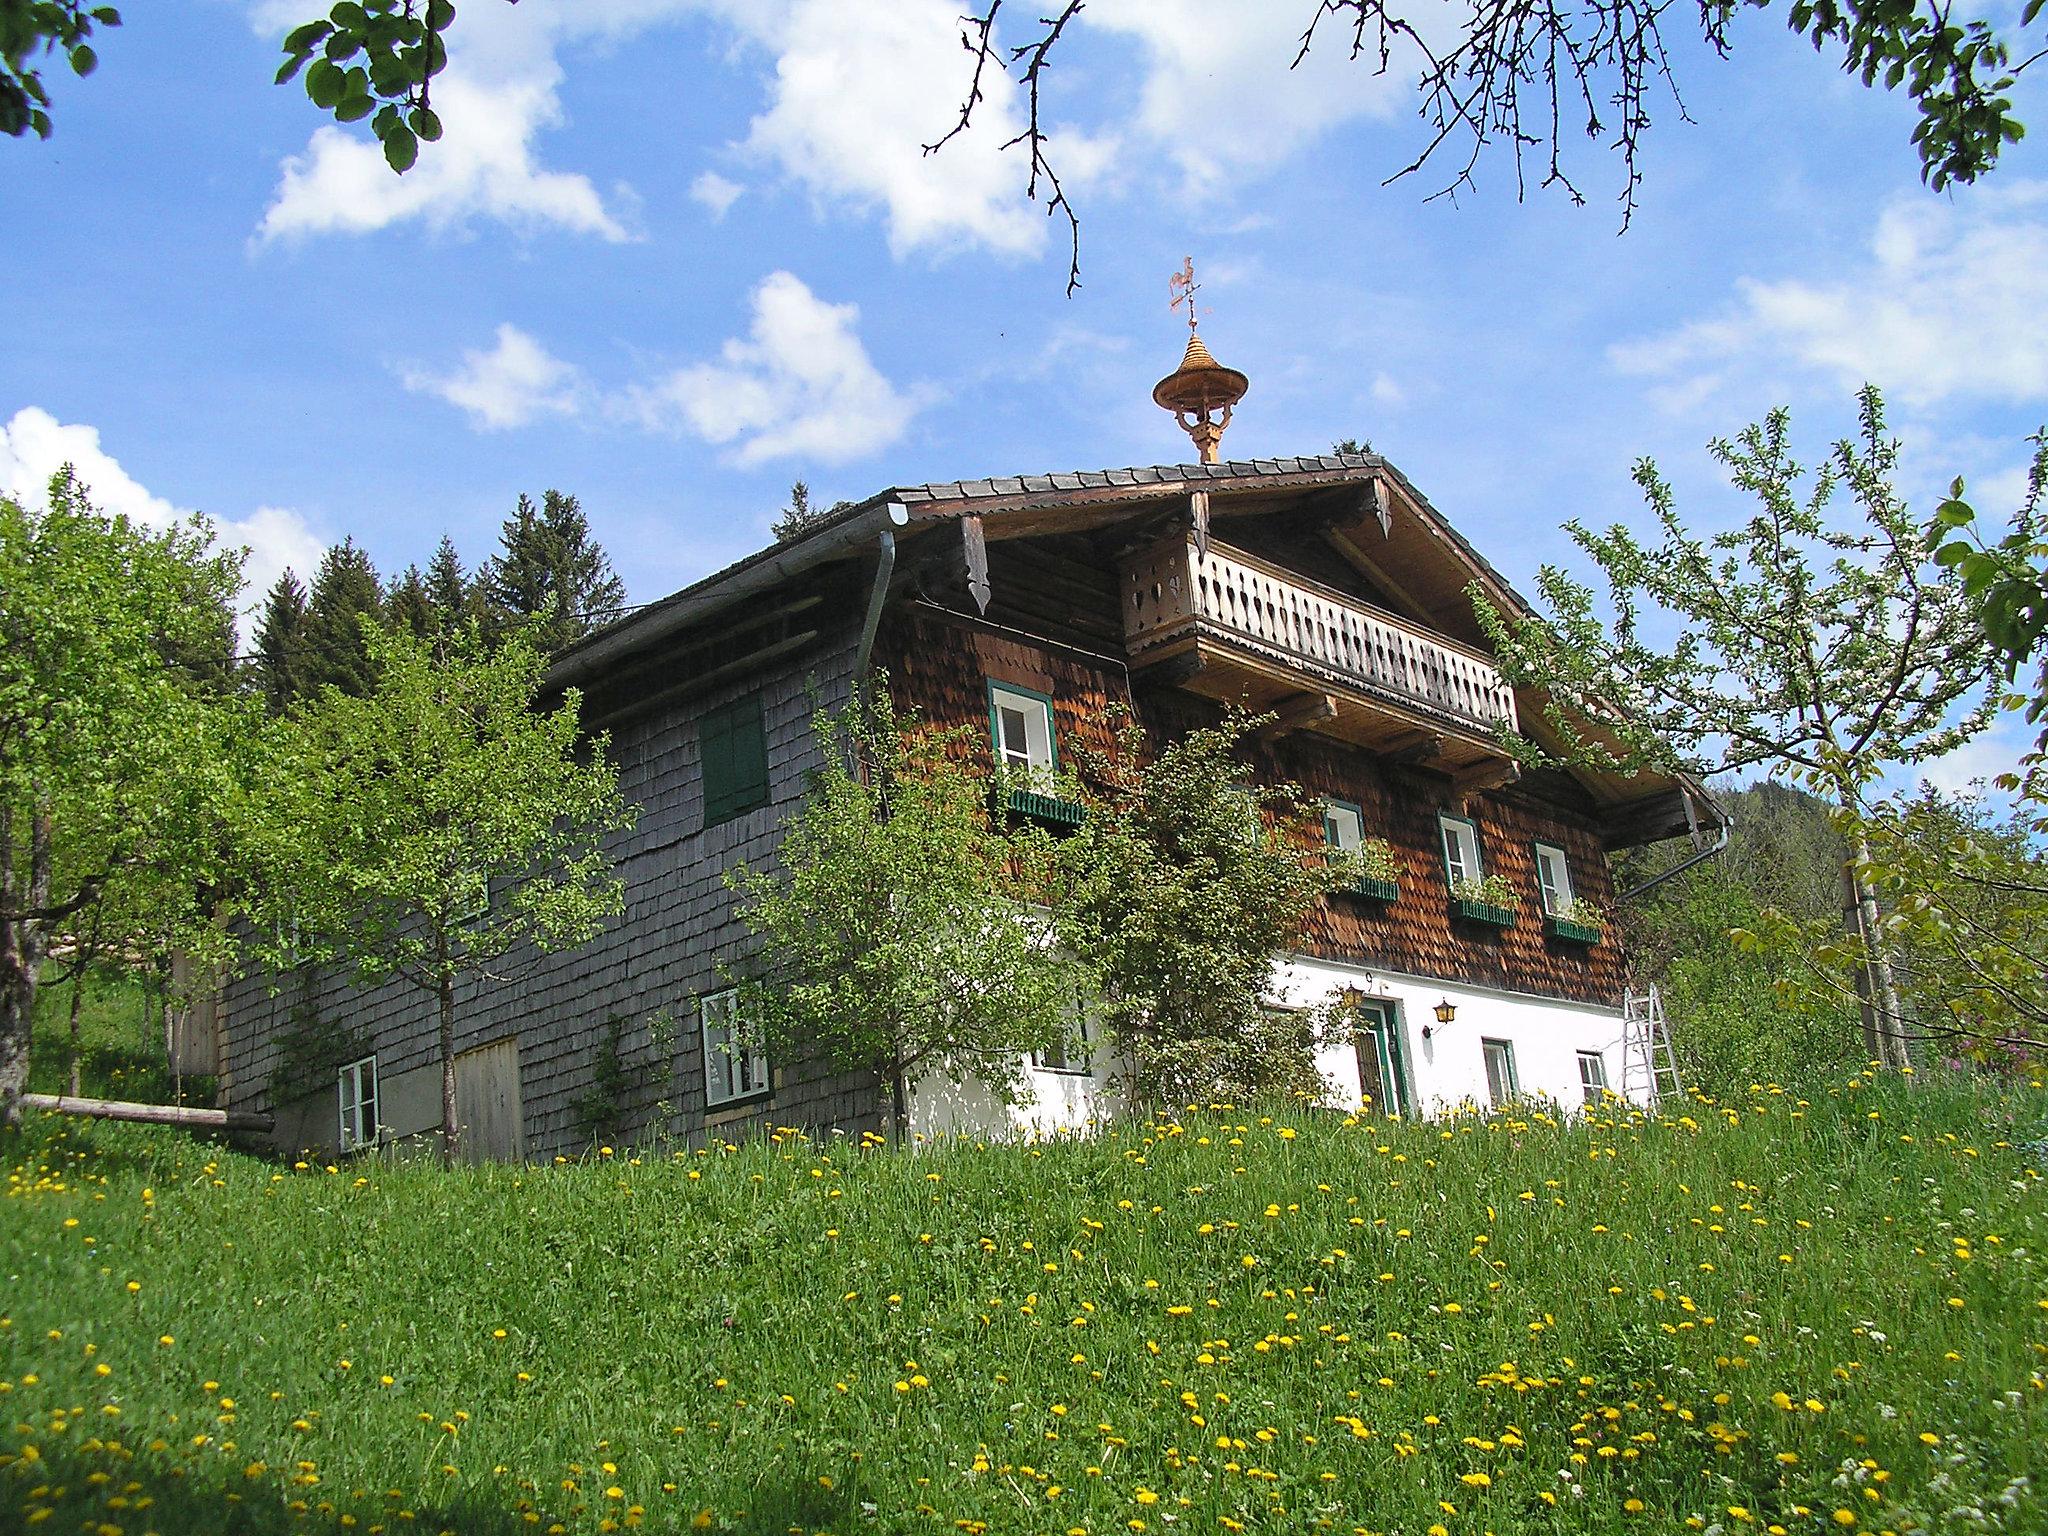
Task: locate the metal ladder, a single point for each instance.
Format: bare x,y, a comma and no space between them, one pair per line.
1649,1067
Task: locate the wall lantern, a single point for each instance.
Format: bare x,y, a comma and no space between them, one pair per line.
1445,1011
1351,998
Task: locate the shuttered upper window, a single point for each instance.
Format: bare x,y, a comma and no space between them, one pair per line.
734,750
1554,880
1461,850
1022,722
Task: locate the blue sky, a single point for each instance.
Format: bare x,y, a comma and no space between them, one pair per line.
675,254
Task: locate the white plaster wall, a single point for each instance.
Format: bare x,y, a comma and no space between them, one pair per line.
1448,1068
1442,1072
1053,1102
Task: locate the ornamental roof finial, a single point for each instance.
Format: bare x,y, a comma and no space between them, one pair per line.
1200,384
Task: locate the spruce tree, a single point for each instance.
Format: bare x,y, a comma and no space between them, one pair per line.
344,589
800,517
449,588
408,605
281,644
548,564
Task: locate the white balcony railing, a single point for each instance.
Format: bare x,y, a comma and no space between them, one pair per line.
1171,591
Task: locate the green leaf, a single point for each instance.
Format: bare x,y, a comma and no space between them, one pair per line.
303,39
426,123
353,109
441,12
350,17
401,149
83,60
326,84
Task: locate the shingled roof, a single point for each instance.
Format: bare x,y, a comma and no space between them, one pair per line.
1133,478
937,500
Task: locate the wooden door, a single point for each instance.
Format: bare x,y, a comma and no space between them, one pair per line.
487,1098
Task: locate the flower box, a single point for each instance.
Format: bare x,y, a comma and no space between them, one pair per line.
1483,912
1049,810
1372,888
1572,930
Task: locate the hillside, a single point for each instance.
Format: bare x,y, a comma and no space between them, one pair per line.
1771,1314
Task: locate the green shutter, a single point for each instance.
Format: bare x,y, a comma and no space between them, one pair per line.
734,749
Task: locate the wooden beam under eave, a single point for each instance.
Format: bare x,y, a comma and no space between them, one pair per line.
1486,775
625,709
1406,602
1416,747
1170,671
1297,713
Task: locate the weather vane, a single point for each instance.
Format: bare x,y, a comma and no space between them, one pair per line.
1200,387
1183,287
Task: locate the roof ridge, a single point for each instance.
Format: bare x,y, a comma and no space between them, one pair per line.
1135,474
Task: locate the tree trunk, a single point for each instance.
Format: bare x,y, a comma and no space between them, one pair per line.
17,1008
21,955
451,1128
77,998
1884,1020
899,1104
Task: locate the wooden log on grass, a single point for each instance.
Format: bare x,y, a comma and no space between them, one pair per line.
151,1114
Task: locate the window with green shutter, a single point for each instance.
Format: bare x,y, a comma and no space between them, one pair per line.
734,751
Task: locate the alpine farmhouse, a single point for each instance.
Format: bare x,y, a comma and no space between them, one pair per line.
1326,590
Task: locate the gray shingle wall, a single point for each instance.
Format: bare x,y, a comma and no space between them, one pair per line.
679,923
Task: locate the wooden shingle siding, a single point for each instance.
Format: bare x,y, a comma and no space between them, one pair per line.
678,925
940,666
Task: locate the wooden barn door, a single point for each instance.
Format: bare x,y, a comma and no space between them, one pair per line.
487,1096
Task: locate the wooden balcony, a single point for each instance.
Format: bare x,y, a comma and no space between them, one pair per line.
1237,628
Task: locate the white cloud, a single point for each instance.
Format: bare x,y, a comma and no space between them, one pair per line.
35,445
1386,390
508,386
1975,763
500,90
853,91
800,384
1948,306
1216,95
715,193
859,90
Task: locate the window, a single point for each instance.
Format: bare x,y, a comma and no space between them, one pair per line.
1381,1060
1461,850
1553,880
1500,1071
358,1093
1021,721
1076,1052
1592,1076
1343,825
735,1061
735,759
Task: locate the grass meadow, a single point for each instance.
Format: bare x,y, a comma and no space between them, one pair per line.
1783,1314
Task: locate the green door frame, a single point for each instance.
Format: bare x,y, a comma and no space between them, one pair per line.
1382,1018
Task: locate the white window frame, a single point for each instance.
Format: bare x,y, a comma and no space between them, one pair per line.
1076,1058
1341,818
1554,880
1593,1086
735,1068
1039,758
1505,1085
355,1087
1461,843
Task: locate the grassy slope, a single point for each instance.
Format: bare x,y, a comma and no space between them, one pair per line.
121,1047
1292,1324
